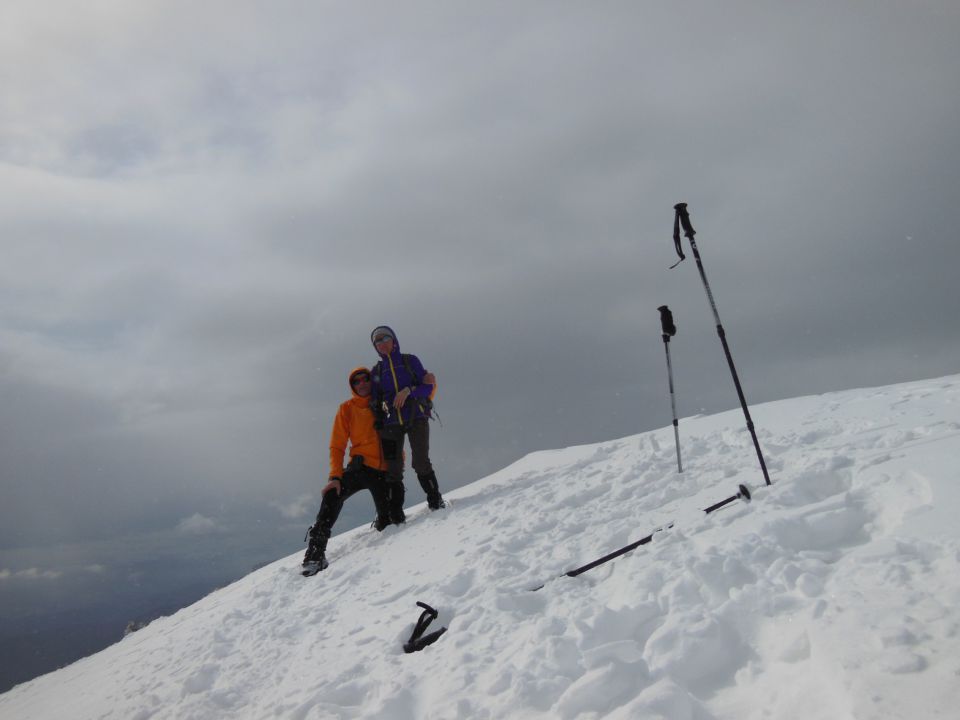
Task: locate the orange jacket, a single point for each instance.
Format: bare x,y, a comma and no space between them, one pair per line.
354,425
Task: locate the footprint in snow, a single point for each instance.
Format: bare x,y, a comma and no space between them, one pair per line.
201,680
900,662
459,585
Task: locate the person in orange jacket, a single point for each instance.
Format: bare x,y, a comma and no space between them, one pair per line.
353,425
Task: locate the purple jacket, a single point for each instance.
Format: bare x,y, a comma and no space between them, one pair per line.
390,375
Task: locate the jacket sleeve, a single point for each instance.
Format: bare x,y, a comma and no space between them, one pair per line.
422,391
339,437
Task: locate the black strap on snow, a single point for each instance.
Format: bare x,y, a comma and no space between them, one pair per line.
418,641
681,217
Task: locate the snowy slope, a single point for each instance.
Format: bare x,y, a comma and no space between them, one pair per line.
834,594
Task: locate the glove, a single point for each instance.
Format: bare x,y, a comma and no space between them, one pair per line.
333,484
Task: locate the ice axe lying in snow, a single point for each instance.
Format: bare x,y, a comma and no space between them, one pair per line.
743,493
418,641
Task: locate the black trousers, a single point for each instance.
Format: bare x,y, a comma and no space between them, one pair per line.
354,480
391,440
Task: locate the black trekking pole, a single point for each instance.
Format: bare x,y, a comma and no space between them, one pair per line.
682,217
743,493
669,330
608,557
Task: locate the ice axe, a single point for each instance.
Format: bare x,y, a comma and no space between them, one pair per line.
418,641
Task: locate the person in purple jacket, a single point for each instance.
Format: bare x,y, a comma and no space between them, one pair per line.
401,398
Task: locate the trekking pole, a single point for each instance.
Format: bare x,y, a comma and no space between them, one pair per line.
608,557
743,493
682,217
669,330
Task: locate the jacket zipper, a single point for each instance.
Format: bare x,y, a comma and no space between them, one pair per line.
396,388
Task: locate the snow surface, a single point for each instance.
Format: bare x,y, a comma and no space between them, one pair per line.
834,594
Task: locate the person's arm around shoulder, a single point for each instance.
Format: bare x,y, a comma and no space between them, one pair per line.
427,383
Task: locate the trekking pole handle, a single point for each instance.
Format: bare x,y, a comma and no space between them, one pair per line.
666,322
684,216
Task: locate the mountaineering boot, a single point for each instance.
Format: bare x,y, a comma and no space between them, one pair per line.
315,559
430,486
395,496
381,503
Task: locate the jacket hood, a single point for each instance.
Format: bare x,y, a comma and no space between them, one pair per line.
350,384
396,340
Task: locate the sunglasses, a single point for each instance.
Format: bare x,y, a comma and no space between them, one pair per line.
357,379
382,339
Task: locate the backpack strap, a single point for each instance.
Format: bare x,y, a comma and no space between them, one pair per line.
406,364
426,405
376,398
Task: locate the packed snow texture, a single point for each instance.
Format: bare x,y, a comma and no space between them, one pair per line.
834,594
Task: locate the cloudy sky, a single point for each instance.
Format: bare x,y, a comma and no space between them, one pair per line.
205,208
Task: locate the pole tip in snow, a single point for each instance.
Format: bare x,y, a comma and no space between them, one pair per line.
744,492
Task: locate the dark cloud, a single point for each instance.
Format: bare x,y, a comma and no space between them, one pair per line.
204,218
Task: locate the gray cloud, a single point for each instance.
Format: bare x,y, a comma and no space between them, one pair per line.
206,210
